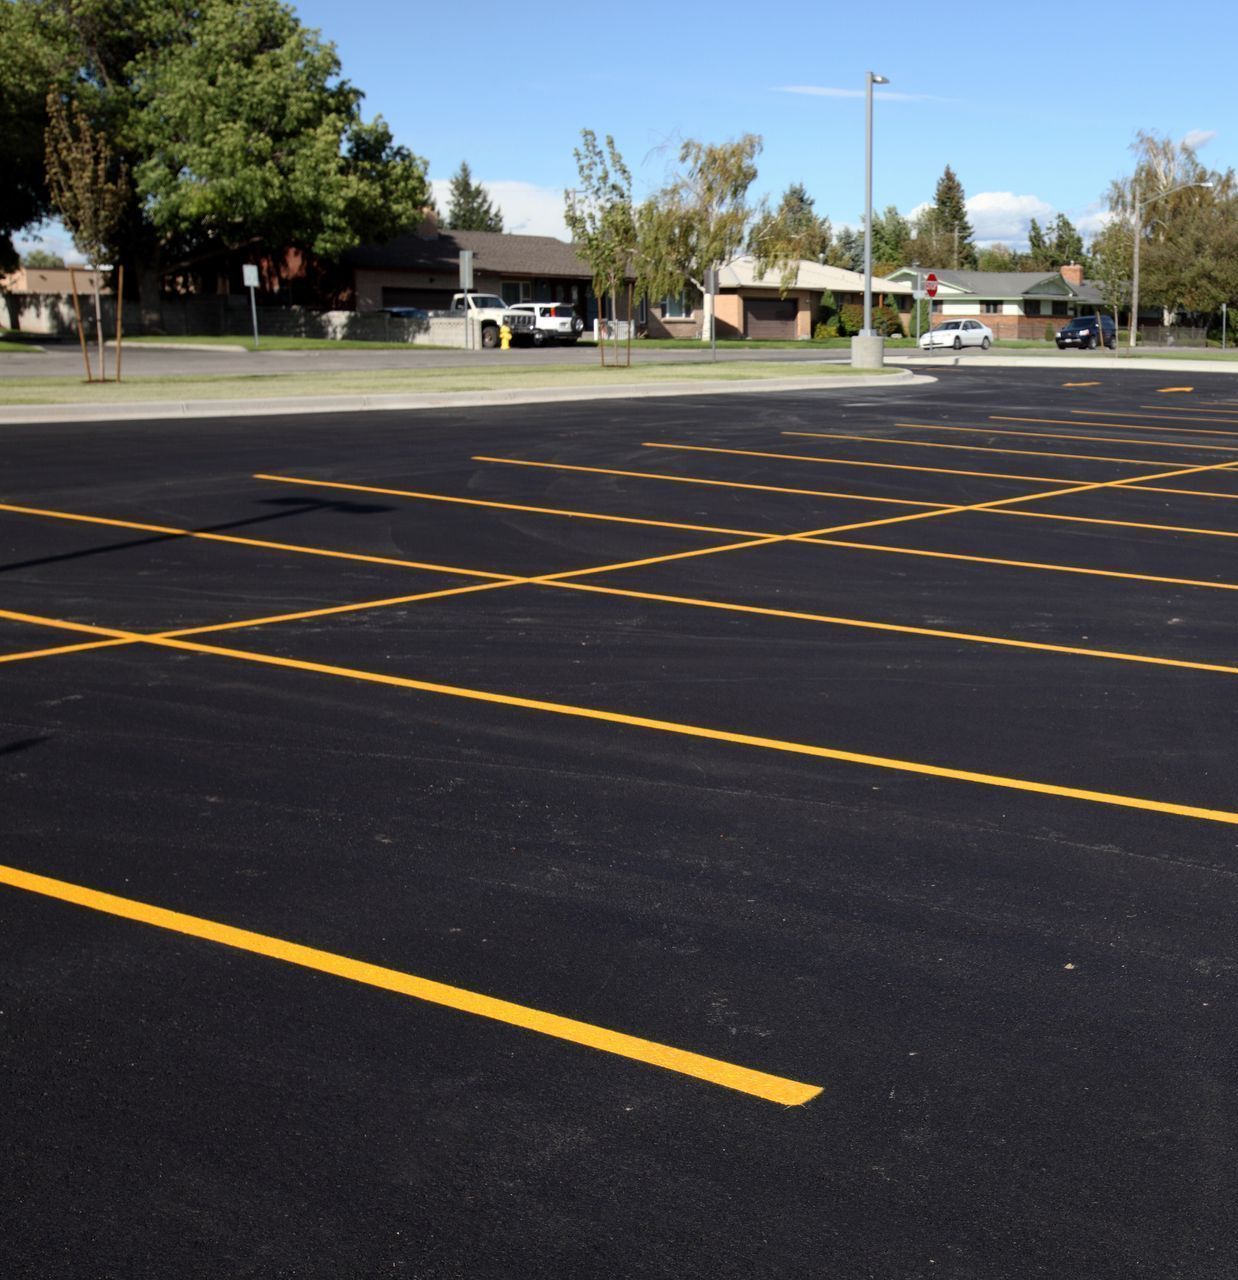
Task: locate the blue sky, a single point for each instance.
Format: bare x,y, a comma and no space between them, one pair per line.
1033,105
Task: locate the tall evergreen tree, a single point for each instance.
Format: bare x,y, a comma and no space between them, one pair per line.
469,207
949,215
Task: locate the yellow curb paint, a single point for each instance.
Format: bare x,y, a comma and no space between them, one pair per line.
727,1075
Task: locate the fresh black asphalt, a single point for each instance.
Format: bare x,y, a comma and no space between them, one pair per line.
1019,1006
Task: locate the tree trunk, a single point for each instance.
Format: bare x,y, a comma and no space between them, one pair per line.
149,294
99,325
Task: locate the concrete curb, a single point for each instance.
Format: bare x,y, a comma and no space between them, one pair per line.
1112,364
275,405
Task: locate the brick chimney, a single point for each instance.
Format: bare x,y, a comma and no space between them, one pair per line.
1072,273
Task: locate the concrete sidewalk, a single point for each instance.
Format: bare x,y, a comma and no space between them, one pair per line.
273,405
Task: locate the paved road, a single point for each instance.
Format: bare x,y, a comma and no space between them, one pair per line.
935,816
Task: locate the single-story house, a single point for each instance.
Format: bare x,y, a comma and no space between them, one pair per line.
40,299
752,306
1014,304
422,269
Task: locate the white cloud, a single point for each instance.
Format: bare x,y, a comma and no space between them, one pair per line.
1198,138
1093,220
1004,216
527,209
825,91
51,237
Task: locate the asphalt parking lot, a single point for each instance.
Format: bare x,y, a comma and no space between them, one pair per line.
755,836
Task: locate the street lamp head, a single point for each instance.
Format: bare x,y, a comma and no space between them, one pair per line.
876,79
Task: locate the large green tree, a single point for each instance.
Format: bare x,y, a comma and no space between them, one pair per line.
945,226
700,220
469,207
789,234
1188,226
233,121
1054,246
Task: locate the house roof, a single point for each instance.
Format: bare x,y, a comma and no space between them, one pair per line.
1009,284
741,273
494,252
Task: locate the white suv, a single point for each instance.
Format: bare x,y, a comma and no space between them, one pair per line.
552,321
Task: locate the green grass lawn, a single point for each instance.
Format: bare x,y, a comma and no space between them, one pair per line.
277,344
15,391
11,340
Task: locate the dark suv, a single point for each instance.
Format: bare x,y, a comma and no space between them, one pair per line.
1088,332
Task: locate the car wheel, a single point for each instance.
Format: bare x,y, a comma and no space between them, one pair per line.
490,336
985,344
539,338
958,344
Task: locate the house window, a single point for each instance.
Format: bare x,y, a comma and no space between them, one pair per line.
936,307
514,291
1059,309
677,308
1031,306
991,308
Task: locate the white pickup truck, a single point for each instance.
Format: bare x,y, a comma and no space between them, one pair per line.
491,311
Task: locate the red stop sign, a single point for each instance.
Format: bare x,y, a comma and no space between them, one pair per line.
930,284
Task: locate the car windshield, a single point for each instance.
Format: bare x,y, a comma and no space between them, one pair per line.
950,324
487,300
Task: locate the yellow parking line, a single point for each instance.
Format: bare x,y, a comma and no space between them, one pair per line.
851,462
1062,435
236,540
980,448
1161,411
722,484
86,645
1121,426
679,728
1165,391
1081,384
1123,524
867,624
728,1075
504,506
1024,564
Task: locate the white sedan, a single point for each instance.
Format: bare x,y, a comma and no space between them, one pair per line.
958,334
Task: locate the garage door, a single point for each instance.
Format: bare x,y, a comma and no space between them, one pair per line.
769,317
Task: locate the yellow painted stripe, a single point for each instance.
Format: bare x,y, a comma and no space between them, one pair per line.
1189,493
980,448
851,462
1025,564
1062,435
236,540
304,482
722,484
1081,384
1170,390
868,624
728,1075
84,647
786,746
1195,410
1122,524
1121,426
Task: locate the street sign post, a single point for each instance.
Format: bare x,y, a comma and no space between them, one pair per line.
466,284
249,278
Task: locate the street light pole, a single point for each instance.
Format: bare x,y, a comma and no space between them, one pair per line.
1138,204
871,80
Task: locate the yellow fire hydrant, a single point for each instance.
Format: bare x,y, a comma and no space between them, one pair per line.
505,338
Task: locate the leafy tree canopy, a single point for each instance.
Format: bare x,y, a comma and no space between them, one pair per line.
230,116
469,207
41,259
791,233
700,219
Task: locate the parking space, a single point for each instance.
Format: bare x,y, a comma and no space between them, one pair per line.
450,841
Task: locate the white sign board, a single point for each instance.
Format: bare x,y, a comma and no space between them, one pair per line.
249,275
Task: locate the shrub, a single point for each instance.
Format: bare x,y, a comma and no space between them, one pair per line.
824,330
885,320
